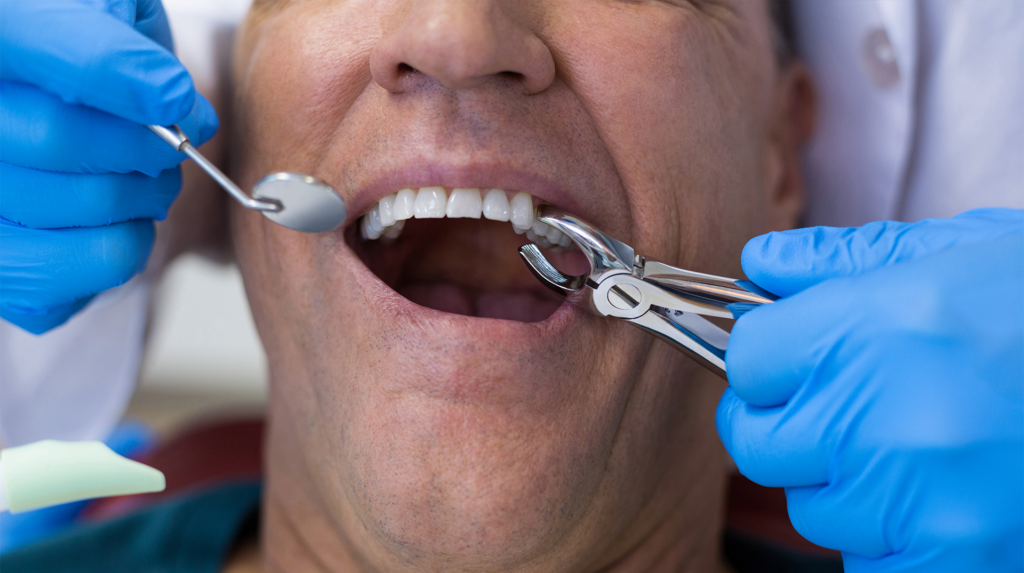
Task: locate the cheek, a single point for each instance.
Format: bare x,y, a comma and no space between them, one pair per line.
670,97
309,64
280,278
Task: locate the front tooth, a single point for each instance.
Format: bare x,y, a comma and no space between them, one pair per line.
522,211
405,205
430,203
540,229
464,203
387,210
496,205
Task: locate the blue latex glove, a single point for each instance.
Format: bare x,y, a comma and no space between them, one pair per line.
885,392
81,178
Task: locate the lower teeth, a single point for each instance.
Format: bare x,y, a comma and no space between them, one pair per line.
539,240
394,231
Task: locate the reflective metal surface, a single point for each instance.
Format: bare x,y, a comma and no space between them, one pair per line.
717,296
661,299
606,255
548,275
293,200
310,205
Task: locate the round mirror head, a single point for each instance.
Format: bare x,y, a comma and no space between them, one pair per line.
310,205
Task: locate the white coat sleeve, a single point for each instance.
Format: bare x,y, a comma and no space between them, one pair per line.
73,382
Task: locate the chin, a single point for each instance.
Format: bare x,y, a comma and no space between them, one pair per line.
481,442
472,411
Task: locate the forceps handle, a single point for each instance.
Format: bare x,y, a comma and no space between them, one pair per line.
678,297
177,139
688,333
719,296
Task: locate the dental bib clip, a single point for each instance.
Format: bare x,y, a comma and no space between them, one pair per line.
663,300
293,200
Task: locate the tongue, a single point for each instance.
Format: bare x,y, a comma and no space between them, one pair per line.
439,296
521,305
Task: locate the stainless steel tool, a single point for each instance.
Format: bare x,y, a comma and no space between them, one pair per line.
293,200
663,300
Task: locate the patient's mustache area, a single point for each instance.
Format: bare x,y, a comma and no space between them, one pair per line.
456,250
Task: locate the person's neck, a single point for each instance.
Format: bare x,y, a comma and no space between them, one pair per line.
298,534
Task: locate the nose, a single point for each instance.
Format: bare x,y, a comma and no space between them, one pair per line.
462,44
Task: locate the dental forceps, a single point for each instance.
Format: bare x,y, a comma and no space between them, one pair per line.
663,300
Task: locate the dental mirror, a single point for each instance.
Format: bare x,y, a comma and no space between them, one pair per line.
292,200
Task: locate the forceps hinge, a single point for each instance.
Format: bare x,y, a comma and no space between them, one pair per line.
663,300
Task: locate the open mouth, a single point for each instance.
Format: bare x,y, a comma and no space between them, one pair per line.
456,251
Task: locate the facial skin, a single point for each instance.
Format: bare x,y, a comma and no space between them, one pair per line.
403,438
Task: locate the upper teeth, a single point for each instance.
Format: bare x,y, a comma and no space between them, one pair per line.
463,203
388,216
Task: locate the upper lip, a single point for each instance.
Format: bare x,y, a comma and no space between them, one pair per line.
473,176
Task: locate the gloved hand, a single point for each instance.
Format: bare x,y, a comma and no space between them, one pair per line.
885,391
81,178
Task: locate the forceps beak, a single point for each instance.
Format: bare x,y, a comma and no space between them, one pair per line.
605,254
547,274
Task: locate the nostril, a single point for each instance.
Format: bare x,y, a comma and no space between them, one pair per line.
461,45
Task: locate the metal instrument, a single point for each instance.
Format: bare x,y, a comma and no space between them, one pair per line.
663,300
293,200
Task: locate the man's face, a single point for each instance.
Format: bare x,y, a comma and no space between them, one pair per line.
432,405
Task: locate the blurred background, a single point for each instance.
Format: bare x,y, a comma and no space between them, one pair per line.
203,356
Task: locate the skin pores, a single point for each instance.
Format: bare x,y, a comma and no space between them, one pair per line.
404,438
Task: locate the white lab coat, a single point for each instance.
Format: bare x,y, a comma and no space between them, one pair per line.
922,115
922,107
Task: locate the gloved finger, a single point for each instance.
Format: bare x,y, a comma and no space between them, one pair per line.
776,447
51,200
828,367
952,556
852,526
44,269
770,354
88,56
870,507
39,322
39,131
836,325
146,16
788,262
